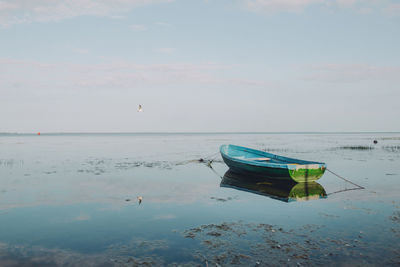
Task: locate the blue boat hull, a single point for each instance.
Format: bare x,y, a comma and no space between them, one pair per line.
271,166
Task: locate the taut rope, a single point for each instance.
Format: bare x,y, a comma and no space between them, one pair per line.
344,179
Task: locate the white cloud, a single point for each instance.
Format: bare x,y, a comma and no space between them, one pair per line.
348,2
365,10
80,50
164,24
280,5
27,11
114,74
297,6
351,73
7,6
165,50
393,9
138,27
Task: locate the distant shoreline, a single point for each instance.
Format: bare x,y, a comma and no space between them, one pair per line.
177,133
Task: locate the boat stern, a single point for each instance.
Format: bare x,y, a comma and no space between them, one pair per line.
303,173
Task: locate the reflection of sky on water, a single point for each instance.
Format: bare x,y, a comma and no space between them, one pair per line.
71,192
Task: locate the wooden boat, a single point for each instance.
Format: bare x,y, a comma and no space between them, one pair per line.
284,191
271,166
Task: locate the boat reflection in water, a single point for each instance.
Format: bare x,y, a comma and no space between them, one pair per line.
284,191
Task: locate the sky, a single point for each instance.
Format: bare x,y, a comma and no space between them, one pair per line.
199,66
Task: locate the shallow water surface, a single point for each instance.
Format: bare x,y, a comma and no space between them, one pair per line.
71,200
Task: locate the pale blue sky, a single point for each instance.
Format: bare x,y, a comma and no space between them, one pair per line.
239,65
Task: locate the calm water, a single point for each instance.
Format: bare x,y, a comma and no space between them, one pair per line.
71,200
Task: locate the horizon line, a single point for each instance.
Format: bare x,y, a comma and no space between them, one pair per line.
206,132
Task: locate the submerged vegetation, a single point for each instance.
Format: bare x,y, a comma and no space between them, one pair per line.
302,246
391,148
276,149
394,148
11,162
356,147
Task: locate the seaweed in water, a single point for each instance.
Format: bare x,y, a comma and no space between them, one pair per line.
301,246
391,148
276,150
11,162
356,147
391,138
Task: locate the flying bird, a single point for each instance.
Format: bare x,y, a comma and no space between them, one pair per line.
140,109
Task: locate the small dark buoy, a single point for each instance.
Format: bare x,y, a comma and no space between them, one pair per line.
375,142
201,160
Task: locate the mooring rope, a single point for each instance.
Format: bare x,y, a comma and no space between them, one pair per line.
344,190
206,159
344,179
211,157
208,162
214,171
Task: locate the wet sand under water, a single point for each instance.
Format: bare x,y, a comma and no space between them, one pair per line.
71,200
